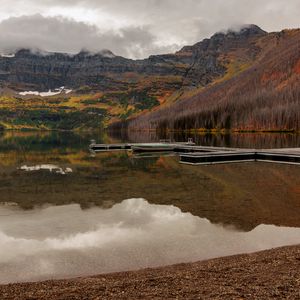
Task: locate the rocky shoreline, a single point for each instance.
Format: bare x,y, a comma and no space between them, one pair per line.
263,275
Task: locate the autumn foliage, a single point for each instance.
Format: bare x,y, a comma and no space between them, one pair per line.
264,96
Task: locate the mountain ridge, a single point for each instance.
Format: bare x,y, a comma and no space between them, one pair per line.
59,69
263,97
139,90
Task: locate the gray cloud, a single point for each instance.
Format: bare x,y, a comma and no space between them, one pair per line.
151,26
65,35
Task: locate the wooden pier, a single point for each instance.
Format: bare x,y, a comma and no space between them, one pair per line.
109,147
192,154
289,156
157,147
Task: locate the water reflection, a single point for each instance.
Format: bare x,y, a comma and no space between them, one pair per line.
235,140
63,241
41,140
242,195
191,213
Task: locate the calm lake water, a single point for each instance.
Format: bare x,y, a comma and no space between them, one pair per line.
65,212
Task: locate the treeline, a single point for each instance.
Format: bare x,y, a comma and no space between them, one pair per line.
264,97
59,119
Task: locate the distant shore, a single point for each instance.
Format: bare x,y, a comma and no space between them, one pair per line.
263,275
189,131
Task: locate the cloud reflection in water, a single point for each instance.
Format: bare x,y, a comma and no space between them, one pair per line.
66,241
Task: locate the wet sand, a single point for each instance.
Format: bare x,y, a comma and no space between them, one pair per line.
271,274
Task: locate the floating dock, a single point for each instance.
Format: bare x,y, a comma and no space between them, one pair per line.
109,147
192,154
156,147
289,156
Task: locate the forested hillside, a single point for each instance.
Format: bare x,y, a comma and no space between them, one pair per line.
265,96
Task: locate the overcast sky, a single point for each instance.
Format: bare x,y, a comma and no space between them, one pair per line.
132,28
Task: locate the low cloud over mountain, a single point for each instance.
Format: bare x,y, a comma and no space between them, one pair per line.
58,34
133,28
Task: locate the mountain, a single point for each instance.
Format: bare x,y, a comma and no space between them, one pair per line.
211,85
263,96
197,65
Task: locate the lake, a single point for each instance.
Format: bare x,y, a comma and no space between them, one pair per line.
65,212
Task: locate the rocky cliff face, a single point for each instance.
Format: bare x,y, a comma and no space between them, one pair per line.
210,57
195,65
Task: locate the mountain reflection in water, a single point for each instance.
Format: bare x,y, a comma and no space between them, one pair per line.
243,195
66,241
63,212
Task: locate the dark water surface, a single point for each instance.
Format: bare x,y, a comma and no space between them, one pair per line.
65,212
